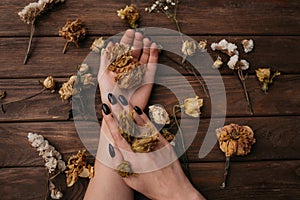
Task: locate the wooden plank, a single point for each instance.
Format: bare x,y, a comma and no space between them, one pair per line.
277,139
50,107
47,58
233,17
268,180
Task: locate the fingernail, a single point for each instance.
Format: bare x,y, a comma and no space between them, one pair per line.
123,100
111,151
112,99
105,109
138,110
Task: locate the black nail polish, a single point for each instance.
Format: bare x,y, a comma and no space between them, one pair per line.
106,109
112,99
123,100
111,151
138,110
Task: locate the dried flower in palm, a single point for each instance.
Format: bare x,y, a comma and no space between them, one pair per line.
248,45
97,45
159,114
265,78
234,140
66,91
77,167
145,144
30,13
48,84
129,73
73,32
130,14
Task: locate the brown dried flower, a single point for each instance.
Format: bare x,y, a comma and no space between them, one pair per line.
132,78
144,145
49,83
73,32
192,106
124,169
97,45
130,14
168,135
264,77
77,167
66,91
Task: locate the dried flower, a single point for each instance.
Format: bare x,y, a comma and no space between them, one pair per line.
30,13
202,45
66,91
218,63
248,45
83,68
159,115
77,167
88,79
168,135
97,45
163,6
234,140
73,31
189,48
145,144
225,47
132,78
192,106
234,63
49,83
130,14
124,169
264,77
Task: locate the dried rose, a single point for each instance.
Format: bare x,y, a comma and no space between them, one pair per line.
248,45
235,139
188,48
192,106
77,167
73,32
97,45
218,63
49,83
264,77
202,45
159,115
66,91
225,47
130,14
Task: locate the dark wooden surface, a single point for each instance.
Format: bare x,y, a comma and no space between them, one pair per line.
271,171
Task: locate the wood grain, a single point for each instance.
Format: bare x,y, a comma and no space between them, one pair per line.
46,57
233,17
278,180
277,138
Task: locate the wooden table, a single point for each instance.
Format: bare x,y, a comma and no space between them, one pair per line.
271,171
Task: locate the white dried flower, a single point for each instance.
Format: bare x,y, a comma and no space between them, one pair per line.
218,63
38,140
232,62
244,65
31,136
51,164
225,47
159,115
97,45
188,48
43,146
48,153
61,165
248,45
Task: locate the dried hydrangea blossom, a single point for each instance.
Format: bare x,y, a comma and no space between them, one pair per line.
66,91
97,45
226,47
73,32
202,45
234,140
192,106
218,63
264,77
124,169
30,13
77,167
130,14
117,50
53,160
248,45
159,114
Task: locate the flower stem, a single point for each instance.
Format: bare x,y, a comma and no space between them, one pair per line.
32,29
65,47
23,99
242,79
227,165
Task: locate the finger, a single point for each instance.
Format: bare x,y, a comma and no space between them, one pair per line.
146,51
137,45
152,63
128,37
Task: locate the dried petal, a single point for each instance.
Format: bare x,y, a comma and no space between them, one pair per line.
225,47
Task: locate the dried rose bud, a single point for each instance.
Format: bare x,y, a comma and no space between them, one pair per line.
130,14
192,106
49,83
264,77
97,45
188,48
159,115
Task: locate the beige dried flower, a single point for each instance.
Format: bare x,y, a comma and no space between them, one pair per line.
225,47
88,79
188,48
235,64
77,167
144,145
66,91
49,83
264,77
192,106
127,126
97,45
132,78
202,45
159,114
73,32
248,45
55,193
218,63
130,14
